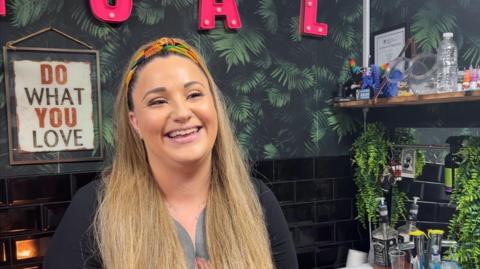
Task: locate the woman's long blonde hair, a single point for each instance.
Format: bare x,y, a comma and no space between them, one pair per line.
133,228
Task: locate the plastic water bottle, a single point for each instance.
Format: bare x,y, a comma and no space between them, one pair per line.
447,73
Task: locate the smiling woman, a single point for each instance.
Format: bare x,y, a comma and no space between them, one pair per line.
178,194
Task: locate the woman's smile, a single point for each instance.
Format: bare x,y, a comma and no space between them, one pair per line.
184,135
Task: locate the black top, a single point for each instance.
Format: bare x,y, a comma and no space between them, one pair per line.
72,246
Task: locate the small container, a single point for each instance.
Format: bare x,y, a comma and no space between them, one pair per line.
397,259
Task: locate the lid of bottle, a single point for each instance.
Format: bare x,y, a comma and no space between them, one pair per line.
417,233
447,34
432,231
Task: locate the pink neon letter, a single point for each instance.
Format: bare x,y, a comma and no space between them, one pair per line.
308,16
209,9
3,11
108,13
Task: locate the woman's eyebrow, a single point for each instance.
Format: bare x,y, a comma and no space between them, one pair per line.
154,90
188,84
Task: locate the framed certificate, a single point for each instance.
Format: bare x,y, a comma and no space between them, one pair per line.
387,44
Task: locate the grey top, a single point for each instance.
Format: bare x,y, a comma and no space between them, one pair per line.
200,249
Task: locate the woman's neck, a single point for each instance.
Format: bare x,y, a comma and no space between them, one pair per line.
184,185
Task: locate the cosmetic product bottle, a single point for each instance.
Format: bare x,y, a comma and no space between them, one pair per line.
384,238
467,77
417,260
474,81
450,261
434,250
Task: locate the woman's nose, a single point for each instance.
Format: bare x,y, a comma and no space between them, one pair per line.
181,112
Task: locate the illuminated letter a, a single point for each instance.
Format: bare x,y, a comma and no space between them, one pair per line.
210,9
111,13
308,16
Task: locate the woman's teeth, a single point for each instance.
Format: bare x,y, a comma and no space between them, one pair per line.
183,132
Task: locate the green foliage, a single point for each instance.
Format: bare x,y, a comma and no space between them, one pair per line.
344,36
108,132
419,162
149,14
370,152
278,98
245,138
265,61
291,76
240,109
352,12
294,31
108,54
26,12
341,122
464,227
399,199
268,11
255,81
318,125
270,151
89,24
429,23
178,4
238,47
472,53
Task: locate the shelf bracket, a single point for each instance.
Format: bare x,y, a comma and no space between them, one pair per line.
365,111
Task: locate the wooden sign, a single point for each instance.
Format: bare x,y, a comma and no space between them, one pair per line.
53,103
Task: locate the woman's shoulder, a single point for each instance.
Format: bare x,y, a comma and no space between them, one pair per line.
87,196
260,187
72,245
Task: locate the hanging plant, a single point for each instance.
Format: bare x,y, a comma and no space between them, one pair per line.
464,227
370,159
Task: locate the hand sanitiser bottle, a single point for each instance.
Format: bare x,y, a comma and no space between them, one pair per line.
384,238
411,225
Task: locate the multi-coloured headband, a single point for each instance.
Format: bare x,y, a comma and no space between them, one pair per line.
161,46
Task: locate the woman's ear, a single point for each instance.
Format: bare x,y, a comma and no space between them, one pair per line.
134,123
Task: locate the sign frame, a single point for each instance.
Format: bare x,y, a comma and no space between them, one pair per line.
12,52
397,34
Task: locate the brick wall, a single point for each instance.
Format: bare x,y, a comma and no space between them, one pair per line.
317,198
316,195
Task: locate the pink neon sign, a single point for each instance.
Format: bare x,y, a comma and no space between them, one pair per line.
3,11
111,13
308,24
210,9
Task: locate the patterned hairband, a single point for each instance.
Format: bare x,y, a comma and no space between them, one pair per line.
162,46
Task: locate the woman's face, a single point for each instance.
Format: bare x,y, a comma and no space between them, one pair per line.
174,111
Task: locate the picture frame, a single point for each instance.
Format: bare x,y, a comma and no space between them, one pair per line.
53,99
408,162
388,43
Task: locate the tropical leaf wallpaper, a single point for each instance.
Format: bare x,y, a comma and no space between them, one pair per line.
278,84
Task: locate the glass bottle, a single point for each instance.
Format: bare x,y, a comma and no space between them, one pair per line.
384,238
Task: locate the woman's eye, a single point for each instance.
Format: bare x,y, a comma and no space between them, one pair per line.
195,95
159,101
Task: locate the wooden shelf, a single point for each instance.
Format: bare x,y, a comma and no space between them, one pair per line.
436,98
